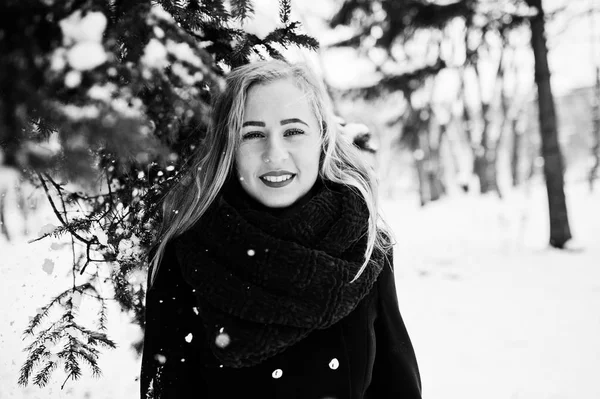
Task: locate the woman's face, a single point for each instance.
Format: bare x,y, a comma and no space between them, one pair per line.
278,158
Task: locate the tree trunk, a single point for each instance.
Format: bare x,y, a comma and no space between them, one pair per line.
517,145
560,232
484,167
596,132
484,158
422,178
436,181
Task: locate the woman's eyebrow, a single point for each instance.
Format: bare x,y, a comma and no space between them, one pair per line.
293,120
254,123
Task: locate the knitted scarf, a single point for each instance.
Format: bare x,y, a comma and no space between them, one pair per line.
263,282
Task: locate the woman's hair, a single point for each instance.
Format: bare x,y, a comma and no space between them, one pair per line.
212,164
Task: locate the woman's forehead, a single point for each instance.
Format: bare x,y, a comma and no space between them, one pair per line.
280,98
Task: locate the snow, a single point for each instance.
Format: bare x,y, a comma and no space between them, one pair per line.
83,37
159,12
77,28
183,52
182,72
155,55
72,79
158,32
102,92
58,60
129,108
77,113
492,311
86,55
48,266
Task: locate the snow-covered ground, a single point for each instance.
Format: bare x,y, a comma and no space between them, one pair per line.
492,311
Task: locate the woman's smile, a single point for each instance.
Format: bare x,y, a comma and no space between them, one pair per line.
277,179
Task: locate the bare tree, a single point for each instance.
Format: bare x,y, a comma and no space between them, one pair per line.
560,232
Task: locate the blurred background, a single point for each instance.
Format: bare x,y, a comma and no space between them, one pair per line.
481,119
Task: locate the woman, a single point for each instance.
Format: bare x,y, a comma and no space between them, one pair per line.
273,276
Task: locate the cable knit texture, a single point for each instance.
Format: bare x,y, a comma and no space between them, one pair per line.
264,282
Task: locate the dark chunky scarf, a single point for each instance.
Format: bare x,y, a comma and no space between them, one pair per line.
264,282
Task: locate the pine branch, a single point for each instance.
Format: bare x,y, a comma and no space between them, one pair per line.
68,356
287,35
34,357
273,52
302,40
43,312
90,358
347,10
43,376
285,9
216,9
102,317
241,9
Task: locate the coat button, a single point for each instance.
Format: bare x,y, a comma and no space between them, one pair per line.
222,340
334,364
277,373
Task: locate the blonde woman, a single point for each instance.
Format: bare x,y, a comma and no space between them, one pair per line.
273,274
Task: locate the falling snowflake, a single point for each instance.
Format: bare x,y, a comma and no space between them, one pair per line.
251,252
48,266
162,359
188,338
46,229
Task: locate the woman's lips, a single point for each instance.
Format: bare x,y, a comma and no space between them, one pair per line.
276,180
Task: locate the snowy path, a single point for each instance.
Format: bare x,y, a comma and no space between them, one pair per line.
493,313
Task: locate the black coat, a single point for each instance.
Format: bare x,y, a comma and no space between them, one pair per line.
368,354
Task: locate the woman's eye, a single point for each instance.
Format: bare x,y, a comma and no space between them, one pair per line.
293,132
251,135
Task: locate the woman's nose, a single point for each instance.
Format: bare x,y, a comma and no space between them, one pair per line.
276,152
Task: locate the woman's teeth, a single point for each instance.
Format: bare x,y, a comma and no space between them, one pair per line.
277,179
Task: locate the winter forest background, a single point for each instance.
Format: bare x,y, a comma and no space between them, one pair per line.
487,147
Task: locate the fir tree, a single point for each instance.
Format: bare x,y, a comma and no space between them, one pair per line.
103,102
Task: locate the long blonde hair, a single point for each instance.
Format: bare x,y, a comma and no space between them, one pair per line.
210,167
